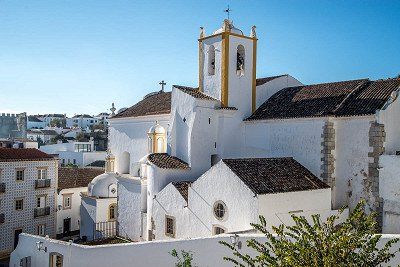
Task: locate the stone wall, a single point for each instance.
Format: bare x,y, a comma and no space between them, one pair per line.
376,142
13,125
327,152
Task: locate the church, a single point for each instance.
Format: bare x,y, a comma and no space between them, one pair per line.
208,160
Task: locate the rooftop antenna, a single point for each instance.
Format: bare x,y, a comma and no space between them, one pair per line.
228,11
162,83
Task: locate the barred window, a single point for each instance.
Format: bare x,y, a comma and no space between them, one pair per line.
170,226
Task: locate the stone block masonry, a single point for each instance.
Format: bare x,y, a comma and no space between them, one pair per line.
327,152
377,137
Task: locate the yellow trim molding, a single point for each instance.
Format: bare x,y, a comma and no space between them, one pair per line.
254,84
201,65
225,69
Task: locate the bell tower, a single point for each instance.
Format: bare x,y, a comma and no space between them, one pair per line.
227,66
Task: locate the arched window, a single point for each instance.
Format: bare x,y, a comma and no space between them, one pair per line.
240,57
112,212
211,60
124,163
217,230
160,144
220,210
150,145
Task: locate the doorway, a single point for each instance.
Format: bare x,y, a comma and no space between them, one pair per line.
67,227
16,236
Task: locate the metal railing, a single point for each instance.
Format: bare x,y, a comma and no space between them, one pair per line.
103,230
42,183
39,212
2,187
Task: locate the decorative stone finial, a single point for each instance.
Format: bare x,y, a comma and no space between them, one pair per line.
226,26
253,33
202,33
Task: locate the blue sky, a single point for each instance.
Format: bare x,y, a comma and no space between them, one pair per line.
78,56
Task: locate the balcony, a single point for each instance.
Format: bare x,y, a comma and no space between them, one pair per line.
40,212
2,187
42,183
2,218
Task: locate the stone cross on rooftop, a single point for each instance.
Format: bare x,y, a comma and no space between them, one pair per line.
162,83
228,11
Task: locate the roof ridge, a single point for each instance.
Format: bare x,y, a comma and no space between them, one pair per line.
359,87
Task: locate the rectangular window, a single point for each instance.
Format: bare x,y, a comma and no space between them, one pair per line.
41,229
74,160
169,226
42,174
19,175
63,161
19,204
67,201
40,201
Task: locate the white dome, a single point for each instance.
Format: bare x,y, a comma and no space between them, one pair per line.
232,28
156,129
103,185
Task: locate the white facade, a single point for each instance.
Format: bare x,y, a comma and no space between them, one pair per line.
68,212
26,192
76,153
81,121
195,218
206,252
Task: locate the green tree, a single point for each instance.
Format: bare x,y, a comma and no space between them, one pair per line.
351,243
57,122
80,137
185,260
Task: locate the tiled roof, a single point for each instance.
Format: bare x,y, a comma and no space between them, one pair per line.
76,177
82,116
261,81
274,175
23,154
194,92
165,161
97,163
34,118
49,132
155,104
183,188
347,98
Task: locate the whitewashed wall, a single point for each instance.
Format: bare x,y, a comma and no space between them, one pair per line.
389,190
129,208
73,212
390,118
266,90
299,138
130,135
351,160
207,252
212,83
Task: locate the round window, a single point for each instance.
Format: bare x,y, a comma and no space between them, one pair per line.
219,210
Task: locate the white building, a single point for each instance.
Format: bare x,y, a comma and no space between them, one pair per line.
99,208
35,122
82,121
71,183
41,134
28,183
102,118
76,153
271,187
48,118
336,130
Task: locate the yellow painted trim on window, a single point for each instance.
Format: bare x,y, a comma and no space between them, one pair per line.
201,65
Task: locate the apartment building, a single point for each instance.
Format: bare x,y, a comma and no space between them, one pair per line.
28,183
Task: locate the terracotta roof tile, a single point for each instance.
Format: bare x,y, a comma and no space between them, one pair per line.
347,98
183,188
23,154
165,161
155,104
76,177
274,175
194,92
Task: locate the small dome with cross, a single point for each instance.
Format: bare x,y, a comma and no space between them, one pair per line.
227,26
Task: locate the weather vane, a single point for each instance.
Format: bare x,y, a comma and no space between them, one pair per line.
228,10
